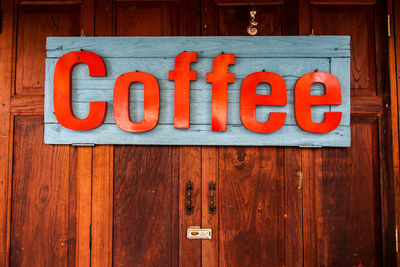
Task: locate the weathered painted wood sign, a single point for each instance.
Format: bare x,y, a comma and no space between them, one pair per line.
285,91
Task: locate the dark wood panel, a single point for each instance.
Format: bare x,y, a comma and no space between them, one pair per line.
293,207
252,3
22,104
145,19
367,106
189,166
251,206
348,193
336,2
142,234
35,23
358,22
6,66
233,20
40,232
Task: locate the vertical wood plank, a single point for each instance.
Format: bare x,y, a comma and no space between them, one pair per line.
394,55
6,49
309,207
103,168
102,206
210,249
304,17
294,207
394,49
39,232
175,208
189,170
84,207
384,138
251,206
142,222
87,17
72,207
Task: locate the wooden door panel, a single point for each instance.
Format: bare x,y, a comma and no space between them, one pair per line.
358,22
145,19
42,231
348,192
35,23
258,188
349,216
251,206
162,230
47,229
142,206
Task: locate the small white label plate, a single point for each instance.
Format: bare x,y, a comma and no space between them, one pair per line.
197,233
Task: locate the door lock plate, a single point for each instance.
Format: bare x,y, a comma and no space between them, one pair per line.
195,232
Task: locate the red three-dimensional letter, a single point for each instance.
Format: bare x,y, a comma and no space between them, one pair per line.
249,99
63,91
220,79
182,76
151,102
304,100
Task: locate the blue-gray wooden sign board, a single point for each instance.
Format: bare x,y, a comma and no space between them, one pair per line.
291,57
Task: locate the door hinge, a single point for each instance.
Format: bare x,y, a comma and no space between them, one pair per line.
396,237
388,25
90,237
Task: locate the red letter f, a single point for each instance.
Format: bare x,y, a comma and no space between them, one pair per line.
220,79
182,76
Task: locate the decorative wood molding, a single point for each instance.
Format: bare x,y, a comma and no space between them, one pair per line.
49,3
6,129
334,2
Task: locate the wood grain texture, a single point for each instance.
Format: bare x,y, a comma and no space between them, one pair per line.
260,46
200,135
84,207
32,38
387,205
210,173
27,105
6,43
142,232
40,198
293,207
335,2
189,170
251,206
309,169
350,200
151,19
102,206
372,128
367,106
244,3
394,62
356,21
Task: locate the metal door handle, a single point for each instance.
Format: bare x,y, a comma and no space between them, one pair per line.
189,203
212,209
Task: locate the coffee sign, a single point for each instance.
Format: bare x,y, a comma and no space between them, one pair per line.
198,90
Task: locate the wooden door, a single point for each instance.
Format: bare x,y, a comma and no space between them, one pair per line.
125,205
258,203
303,206
149,220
